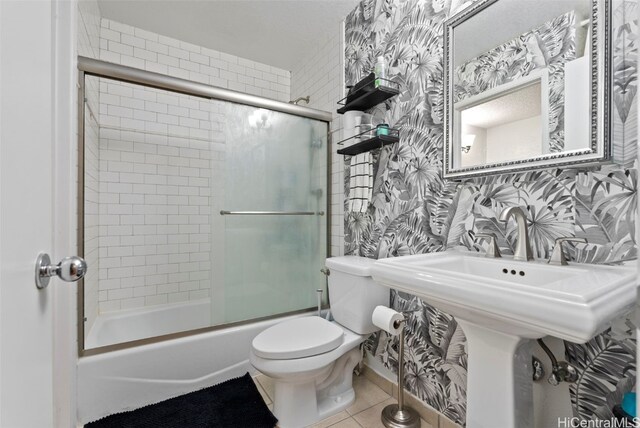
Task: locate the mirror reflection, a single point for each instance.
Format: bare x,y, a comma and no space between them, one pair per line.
507,127
522,90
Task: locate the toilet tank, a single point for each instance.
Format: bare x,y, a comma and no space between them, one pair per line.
353,295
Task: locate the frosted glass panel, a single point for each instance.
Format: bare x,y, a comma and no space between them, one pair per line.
275,162
159,167
149,157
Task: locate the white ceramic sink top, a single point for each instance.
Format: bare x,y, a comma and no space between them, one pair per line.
527,299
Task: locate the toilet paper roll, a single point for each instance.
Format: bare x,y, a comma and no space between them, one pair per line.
387,319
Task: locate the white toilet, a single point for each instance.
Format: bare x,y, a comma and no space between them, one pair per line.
310,359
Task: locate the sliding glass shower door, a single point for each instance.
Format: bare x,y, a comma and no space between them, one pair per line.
196,212
273,214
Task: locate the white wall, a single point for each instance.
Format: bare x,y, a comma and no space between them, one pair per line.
123,44
478,153
89,45
577,129
514,140
89,28
321,75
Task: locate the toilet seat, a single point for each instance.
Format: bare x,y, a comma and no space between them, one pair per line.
298,338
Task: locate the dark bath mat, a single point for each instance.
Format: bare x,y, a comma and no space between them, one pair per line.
235,403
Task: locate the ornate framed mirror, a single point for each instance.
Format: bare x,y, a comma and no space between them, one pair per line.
527,86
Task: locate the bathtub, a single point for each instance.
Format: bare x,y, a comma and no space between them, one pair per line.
134,324
126,379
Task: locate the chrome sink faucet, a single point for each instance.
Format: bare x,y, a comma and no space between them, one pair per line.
523,247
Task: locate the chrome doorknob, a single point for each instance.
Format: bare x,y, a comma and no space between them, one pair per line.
70,269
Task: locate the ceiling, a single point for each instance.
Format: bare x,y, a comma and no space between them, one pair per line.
517,105
274,32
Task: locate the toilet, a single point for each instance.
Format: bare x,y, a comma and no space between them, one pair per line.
310,359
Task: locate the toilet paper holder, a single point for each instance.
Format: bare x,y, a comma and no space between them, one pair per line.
399,415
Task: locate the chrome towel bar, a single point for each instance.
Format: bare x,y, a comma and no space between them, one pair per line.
223,212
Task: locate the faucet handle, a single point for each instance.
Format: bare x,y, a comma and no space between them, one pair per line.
493,250
557,255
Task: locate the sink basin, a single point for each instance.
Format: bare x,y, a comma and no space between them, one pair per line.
499,303
527,299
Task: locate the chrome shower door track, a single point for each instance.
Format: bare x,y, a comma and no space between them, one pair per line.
123,73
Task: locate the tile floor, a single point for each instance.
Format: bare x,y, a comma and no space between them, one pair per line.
363,413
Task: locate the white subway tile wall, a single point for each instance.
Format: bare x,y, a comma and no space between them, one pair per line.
89,46
126,45
321,75
158,151
157,154
89,27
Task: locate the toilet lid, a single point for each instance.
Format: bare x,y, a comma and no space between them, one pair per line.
298,338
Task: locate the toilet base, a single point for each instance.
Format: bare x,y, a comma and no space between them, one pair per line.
332,405
305,410
297,405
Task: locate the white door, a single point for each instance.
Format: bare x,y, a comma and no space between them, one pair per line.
35,134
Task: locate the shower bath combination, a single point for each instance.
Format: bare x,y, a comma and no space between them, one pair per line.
187,212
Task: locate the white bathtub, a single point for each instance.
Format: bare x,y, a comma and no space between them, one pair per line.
134,324
130,378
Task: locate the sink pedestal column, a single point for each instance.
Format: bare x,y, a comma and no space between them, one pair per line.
499,383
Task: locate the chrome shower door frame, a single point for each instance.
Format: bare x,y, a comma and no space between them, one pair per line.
98,68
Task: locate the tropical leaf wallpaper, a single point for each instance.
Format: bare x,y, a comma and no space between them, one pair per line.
549,47
414,210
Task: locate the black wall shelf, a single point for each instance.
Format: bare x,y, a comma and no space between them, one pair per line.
371,143
367,145
368,96
365,97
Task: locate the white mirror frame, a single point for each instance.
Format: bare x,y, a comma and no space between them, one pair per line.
599,150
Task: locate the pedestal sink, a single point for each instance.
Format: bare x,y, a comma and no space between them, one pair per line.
500,303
